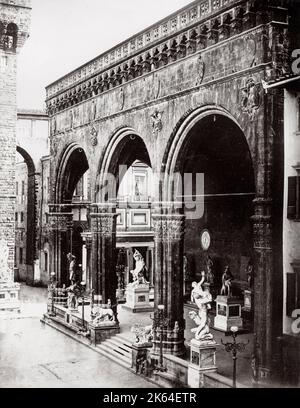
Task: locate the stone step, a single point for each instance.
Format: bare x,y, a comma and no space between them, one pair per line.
120,344
114,354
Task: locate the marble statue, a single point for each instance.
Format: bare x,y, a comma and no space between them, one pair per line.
5,274
202,298
72,263
103,316
227,278
143,334
73,295
138,272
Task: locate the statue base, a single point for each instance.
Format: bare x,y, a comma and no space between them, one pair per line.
140,354
103,331
202,360
137,299
229,310
9,297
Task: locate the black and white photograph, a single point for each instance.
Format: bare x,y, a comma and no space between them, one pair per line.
150,197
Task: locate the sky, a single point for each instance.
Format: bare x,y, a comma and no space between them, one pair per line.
65,34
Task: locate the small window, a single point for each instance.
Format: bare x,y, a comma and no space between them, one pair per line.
22,216
16,217
17,188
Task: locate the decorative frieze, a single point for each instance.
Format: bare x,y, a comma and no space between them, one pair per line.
195,36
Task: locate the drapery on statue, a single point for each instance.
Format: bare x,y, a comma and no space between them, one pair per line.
72,264
140,269
227,278
202,298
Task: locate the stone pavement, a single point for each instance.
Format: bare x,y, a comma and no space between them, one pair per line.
35,355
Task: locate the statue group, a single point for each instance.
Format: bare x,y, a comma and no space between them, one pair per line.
202,297
138,274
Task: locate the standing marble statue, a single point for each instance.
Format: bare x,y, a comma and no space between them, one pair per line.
202,298
72,264
227,278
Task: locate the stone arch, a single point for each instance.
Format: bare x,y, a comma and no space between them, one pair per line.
68,175
31,225
179,137
112,156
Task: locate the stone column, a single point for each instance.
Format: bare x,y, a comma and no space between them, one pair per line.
168,253
60,224
263,269
103,225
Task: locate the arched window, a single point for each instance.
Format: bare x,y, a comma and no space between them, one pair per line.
11,36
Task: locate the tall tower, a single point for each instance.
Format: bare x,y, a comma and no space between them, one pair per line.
14,30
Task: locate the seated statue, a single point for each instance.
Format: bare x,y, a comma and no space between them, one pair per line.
138,272
202,298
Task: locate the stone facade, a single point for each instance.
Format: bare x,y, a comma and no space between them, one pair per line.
196,78
14,28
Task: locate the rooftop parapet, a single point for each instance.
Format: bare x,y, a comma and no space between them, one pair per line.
195,12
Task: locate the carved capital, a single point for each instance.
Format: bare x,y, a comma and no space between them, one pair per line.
103,224
168,227
60,221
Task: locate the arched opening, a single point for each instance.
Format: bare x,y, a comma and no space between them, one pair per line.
126,166
25,217
210,179
72,195
216,148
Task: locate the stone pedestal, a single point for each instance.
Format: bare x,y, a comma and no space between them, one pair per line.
140,357
229,311
9,297
103,331
137,298
202,360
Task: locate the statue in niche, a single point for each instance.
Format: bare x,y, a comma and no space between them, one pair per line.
5,275
227,278
138,273
249,273
202,297
210,276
